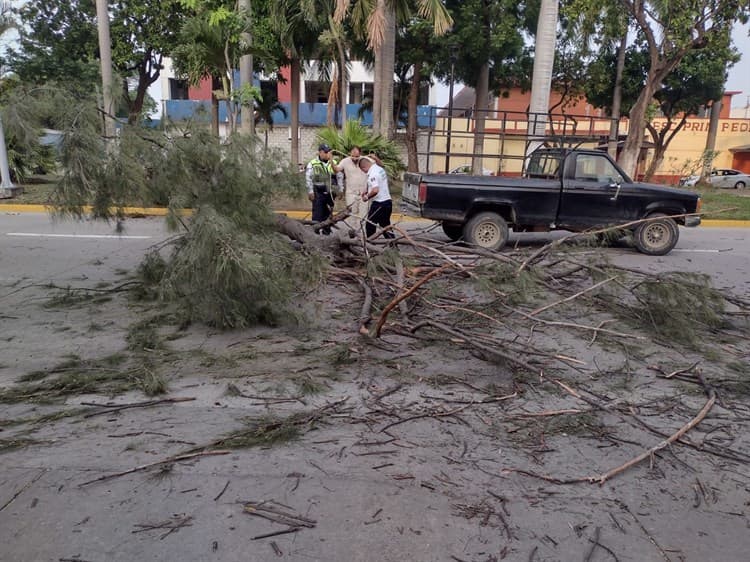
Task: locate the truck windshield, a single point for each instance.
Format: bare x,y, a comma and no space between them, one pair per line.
544,165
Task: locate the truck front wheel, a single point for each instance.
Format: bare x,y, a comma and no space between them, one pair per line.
486,230
657,236
453,231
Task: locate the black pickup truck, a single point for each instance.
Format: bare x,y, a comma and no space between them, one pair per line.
562,189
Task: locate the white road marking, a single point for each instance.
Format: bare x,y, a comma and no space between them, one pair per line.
104,236
700,251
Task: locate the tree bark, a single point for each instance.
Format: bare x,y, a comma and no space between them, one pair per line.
105,55
614,125
214,114
388,69
294,76
713,128
376,97
343,89
246,72
481,104
411,125
544,59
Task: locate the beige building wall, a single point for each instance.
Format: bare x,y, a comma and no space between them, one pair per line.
508,138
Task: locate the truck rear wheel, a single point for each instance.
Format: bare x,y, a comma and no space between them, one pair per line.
453,231
658,236
487,230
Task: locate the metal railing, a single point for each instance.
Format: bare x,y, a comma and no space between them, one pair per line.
508,136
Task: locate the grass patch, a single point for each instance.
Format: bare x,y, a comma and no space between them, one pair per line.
112,375
264,431
715,199
36,191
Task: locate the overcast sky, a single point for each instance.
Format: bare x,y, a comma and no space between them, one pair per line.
739,75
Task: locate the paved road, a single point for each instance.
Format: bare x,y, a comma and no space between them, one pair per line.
36,249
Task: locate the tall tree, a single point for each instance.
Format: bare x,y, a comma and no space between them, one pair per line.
211,47
296,25
377,21
671,30
490,55
596,26
59,42
693,84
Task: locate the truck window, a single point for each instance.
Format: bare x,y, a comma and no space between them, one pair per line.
543,165
594,168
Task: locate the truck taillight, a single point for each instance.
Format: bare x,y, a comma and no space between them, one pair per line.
422,192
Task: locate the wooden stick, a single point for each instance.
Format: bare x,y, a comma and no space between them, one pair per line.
672,438
109,408
398,298
572,297
142,467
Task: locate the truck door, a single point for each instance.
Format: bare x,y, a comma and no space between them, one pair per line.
589,189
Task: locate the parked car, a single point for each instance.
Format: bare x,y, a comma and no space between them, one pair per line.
564,189
465,169
722,177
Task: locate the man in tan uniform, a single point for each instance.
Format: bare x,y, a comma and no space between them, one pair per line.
356,186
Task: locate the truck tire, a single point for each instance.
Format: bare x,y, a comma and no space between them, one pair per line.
658,236
487,230
453,231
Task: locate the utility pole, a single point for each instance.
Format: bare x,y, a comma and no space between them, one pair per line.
246,70
105,55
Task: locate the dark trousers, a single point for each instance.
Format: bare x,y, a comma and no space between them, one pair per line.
322,207
380,214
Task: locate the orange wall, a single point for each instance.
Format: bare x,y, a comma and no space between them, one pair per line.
519,101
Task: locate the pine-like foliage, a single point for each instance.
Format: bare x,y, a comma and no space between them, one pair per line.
229,267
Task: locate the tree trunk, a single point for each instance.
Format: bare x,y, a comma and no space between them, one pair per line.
333,99
481,104
246,72
636,126
411,124
105,55
377,80
136,106
388,70
659,150
713,128
544,59
294,76
343,89
614,126
214,115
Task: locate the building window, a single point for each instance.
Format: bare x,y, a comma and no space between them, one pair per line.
269,89
360,92
316,91
178,89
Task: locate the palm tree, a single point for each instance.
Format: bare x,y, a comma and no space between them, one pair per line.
377,20
544,60
297,24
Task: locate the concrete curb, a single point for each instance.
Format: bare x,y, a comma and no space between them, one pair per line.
162,211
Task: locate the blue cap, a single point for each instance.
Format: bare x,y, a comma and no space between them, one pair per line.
324,147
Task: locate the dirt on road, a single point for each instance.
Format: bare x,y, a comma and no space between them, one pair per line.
127,435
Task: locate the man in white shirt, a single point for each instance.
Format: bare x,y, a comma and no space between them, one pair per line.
356,186
378,193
